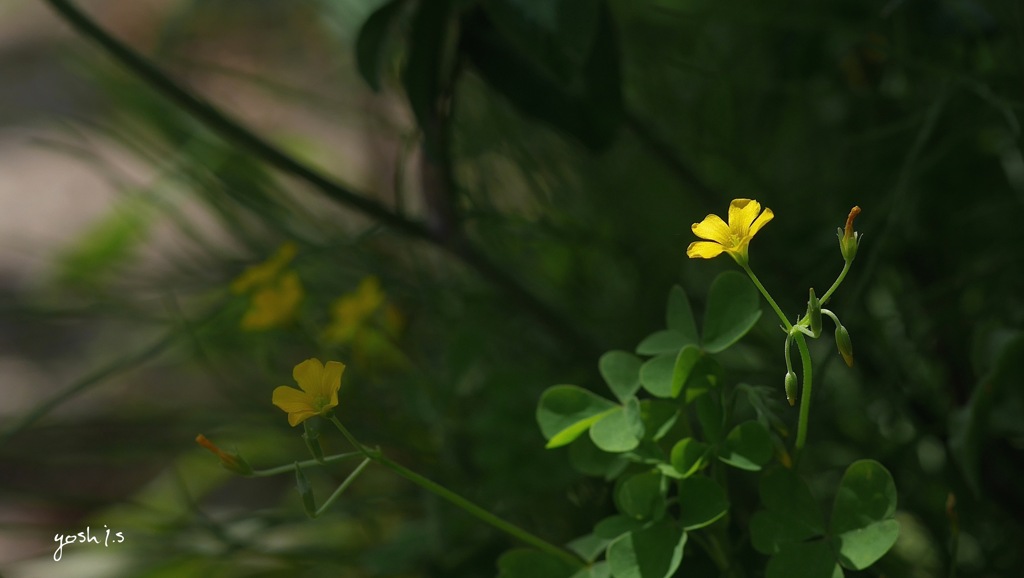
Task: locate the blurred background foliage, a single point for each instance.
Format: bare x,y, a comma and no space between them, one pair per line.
520,177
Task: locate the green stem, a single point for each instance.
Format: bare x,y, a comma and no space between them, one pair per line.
306,464
469,507
805,393
341,489
768,297
839,281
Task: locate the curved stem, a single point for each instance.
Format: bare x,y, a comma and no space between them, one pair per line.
306,464
805,394
341,489
768,297
471,508
839,280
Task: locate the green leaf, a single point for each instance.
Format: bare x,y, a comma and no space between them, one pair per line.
689,456
589,547
659,342
598,570
711,417
621,371
654,552
770,532
786,494
656,375
804,560
371,49
612,527
701,502
733,309
863,521
566,411
747,447
862,547
679,316
587,458
791,513
619,430
427,61
658,418
695,373
641,496
528,563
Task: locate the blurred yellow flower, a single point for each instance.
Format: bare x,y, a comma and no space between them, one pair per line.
365,320
745,220
319,390
275,292
264,273
350,312
274,304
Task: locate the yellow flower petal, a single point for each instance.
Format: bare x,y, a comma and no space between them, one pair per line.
742,213
291,400
704,250
330,382
761,221
308,375
712,228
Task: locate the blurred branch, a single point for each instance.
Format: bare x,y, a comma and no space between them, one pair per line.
120,365
228,128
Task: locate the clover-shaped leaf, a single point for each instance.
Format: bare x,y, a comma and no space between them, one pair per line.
621,371
658,418
566,411
863,517
528,563
695,373
747,447
653,552
589,459
689,456
641,496
701,502
682,329
863,526
619,430
656,375
733,309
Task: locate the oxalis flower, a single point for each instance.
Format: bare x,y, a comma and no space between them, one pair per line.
745,220
319,390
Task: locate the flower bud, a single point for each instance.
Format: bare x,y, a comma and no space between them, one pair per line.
791,388
233,462
849,239
305,491
844,344
814,314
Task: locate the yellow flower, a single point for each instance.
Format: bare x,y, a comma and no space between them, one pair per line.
264,273
319,394
350,312
274,304
275,292
745,220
